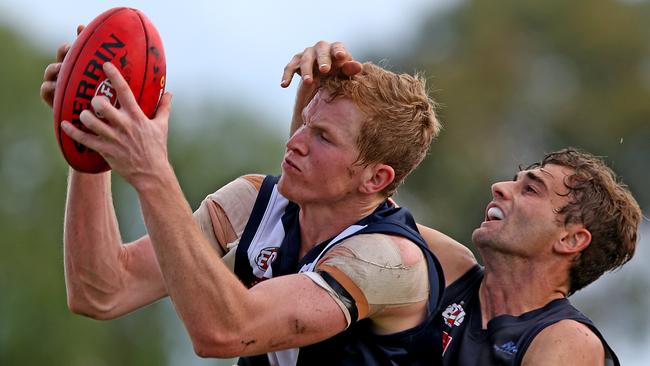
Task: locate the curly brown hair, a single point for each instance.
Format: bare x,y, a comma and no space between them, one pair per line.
401,120
605,206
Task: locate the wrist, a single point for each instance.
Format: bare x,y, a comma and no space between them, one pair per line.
88,179
157,181
305,93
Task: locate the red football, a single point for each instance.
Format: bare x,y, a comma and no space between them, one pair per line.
128,39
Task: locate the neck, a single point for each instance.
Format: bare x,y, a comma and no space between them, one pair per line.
319,222
516,285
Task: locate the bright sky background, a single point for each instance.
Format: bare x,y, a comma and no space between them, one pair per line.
237,49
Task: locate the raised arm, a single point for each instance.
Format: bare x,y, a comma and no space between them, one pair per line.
104,278
223,317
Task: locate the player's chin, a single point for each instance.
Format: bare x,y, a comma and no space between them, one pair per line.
284,185
289,188
481,236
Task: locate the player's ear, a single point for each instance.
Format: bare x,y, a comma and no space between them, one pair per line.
376,177
574,239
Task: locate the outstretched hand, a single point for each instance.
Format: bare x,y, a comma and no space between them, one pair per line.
132,144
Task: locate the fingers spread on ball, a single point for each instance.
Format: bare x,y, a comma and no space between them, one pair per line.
62,51
96,125
51,71
87,139
104,109
124,94
47,88
165,107
47,92
127,38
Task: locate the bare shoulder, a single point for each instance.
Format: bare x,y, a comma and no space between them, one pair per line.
455,258
222,215
240,185
566,342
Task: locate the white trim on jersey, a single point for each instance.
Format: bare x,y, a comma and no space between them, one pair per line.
262,251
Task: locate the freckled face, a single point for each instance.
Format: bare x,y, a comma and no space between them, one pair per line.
319,161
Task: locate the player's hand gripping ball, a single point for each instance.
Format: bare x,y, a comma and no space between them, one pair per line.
126,38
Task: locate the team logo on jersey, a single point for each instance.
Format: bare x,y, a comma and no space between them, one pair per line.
266,257
446,339
509,348
454,314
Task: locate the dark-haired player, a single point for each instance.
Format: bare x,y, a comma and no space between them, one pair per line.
555,228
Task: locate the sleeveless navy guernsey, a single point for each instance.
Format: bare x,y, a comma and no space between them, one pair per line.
357,345
507,337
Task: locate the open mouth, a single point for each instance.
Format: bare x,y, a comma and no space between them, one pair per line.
495,213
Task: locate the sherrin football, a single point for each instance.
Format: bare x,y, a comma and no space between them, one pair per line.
128,39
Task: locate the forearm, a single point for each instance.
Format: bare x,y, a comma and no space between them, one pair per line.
303,96
209,299
296,119
92,244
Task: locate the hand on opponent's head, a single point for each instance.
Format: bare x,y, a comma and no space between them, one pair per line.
321,59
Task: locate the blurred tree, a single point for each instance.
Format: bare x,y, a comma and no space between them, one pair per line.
515,79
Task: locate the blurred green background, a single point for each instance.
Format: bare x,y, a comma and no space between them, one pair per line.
514,79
